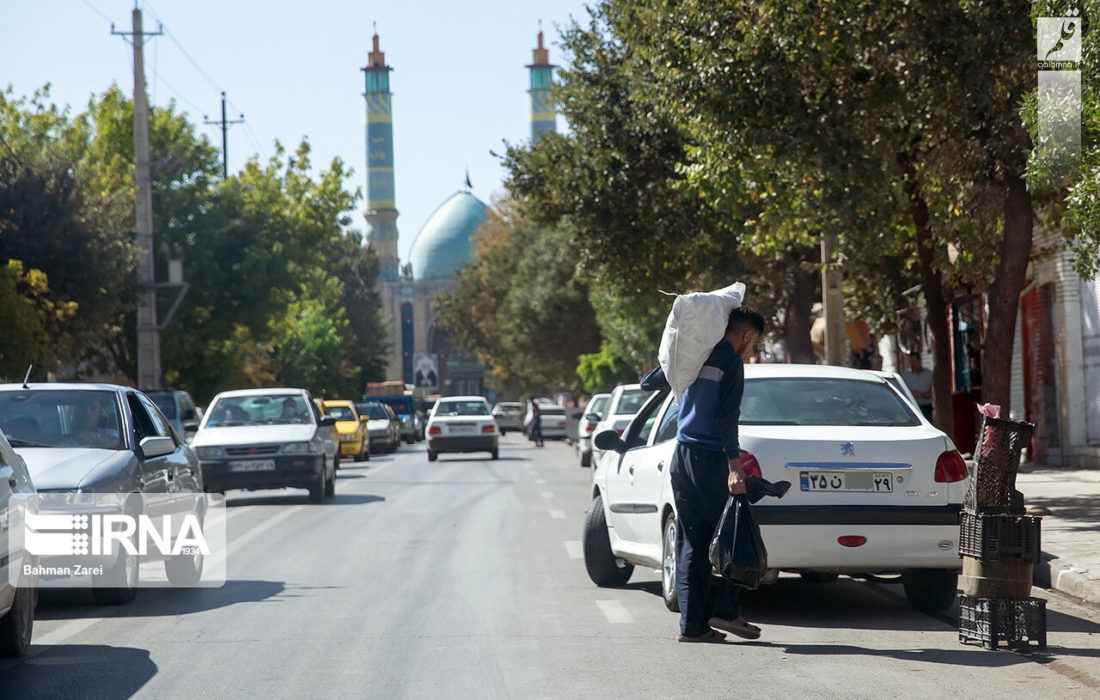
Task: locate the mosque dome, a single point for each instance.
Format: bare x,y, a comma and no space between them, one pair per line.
444,242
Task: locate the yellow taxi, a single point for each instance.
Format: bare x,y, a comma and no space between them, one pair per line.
350,430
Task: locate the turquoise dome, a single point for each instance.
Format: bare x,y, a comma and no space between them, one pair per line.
444,242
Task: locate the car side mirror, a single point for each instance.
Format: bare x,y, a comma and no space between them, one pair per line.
157,446
610,440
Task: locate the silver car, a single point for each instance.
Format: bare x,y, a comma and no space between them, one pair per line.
17,600
267,439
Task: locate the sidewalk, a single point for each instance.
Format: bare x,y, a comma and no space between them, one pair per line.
1069,501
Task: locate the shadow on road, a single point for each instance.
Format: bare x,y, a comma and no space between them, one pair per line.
64,604
76,671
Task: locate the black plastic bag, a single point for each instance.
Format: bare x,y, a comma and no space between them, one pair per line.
737,551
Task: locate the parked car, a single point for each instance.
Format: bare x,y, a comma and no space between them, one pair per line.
267,439
509,416
593,412
898,383
18,594
383,425
622,404
462,424
102,438
351,429
552,421
180,410
876,489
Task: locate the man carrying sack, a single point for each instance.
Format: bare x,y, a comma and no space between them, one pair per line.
706,467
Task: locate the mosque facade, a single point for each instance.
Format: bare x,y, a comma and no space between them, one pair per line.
421,353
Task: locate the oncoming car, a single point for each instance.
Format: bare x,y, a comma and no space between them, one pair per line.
462,424
876,488
267,439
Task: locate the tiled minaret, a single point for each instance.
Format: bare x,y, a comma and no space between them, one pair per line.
381,211
543,117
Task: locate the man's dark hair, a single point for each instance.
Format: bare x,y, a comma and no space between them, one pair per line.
744,315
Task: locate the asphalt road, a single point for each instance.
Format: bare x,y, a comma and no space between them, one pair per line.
463,579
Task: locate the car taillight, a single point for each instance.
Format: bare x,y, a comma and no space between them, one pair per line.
434,430
851,540
951,467
750,465
488,428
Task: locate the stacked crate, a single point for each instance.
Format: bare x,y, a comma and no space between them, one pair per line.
999,546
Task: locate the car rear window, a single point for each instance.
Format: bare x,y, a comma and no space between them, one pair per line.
822,401
631,401
462,408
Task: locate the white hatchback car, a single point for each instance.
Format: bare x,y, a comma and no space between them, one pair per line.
593,412
462,424
876,488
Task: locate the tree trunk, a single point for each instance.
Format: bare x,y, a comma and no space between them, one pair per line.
934,300
1004,295
802,296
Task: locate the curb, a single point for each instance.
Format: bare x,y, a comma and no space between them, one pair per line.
1055,574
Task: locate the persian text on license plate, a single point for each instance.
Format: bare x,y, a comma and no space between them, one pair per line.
462,429
875,482
255,465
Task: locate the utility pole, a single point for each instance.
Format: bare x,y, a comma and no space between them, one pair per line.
148,340
225,139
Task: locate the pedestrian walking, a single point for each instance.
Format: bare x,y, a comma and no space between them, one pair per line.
536,423
705,470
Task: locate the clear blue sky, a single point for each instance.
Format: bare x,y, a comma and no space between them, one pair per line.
292,68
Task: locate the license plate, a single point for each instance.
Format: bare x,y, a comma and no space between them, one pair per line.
462,429
256,465
874,482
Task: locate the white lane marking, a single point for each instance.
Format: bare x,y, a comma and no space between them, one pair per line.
218,559
540,481
615,612
573,549
547,494
557,514
66,631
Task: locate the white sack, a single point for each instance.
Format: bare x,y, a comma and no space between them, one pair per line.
694,326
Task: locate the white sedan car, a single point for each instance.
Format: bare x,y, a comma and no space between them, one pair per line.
876,488
462,424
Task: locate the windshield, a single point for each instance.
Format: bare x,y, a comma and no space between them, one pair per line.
820,401
75,418
340,412
631,401
462,408
259,409
373,411
402,407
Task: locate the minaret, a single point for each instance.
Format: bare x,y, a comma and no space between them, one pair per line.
543,117
381,211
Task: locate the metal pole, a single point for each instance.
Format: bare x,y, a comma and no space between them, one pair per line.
148,341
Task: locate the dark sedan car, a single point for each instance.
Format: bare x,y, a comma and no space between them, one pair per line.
79,440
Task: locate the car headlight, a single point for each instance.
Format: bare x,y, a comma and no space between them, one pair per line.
300,448
208,452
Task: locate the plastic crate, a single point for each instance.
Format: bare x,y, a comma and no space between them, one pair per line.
998,457
1019,624
996,536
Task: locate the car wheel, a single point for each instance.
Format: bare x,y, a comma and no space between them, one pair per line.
184,569
603,567
818,576
668,565
930,590
118,584
496,454
586,459
330,484
336,461
431,455
317,488
16,627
